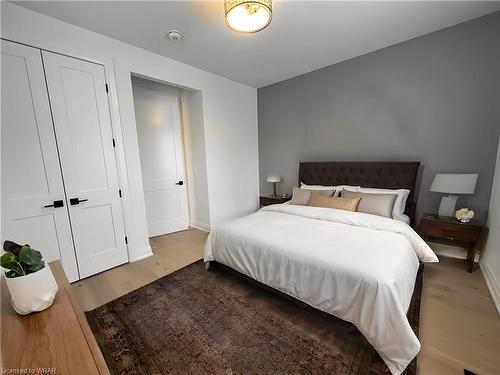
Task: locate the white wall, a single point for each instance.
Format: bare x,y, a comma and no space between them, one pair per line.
490,259
229,116
156,86
195,156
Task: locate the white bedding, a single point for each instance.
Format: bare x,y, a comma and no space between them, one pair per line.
404,218
356,266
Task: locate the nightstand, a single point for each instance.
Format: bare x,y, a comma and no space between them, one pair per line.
268,200
470,234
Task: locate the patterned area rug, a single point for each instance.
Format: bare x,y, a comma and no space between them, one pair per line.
198,322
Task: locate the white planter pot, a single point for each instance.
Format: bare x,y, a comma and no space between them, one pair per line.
33,292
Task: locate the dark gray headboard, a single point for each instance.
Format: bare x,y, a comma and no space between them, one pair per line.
388,175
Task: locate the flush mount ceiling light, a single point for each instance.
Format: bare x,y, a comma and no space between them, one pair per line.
248,16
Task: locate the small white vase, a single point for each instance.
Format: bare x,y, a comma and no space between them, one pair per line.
33,292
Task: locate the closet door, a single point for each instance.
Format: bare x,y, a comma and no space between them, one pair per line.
83,129
31,175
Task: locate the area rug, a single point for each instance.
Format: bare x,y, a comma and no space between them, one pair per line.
214,322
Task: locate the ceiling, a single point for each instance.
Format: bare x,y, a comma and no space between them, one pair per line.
303,36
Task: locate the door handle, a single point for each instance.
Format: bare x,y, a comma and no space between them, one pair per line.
180,183
56,204
74,201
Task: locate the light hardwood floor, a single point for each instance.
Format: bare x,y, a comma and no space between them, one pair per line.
459,326
170,253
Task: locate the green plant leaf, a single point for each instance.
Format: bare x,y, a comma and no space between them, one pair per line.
11,274
35,267
8,260
29,256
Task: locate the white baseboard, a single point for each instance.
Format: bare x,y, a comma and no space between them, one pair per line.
492,283
199,225
144,253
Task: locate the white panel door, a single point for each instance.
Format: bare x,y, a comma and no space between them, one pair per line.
83,129
160,145
31,175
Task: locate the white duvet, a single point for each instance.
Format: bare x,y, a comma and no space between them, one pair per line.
358,267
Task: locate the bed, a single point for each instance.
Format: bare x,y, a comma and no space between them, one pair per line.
359,267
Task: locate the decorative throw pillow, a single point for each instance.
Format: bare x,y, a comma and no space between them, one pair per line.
375,204
402,196
347,204
301,196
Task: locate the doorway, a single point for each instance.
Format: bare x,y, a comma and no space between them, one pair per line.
159,134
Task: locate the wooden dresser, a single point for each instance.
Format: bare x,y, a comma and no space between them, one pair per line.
57,340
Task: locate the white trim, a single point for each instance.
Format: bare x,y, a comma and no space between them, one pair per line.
199,225
145,252
492,283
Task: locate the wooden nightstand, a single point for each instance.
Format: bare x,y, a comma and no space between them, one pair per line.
267,200
471,234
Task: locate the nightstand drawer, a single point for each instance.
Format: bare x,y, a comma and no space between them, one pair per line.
450,231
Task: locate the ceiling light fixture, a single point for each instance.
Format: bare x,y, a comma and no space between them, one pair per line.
248,16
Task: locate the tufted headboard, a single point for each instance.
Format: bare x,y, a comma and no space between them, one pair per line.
388,175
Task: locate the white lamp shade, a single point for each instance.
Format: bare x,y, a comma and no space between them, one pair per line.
273,178
454,183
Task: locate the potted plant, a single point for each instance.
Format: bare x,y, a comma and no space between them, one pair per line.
31,284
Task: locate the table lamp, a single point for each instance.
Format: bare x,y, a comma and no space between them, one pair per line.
275,180
452,184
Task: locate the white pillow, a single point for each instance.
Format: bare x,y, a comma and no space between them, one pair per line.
336,189
339,188
316,187
399,205
319,187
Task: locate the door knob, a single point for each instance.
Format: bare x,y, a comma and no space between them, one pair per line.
56,204
180,183
74,201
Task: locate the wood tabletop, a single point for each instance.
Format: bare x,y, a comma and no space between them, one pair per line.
57,340
450,220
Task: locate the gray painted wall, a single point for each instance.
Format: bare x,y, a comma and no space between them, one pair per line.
434,99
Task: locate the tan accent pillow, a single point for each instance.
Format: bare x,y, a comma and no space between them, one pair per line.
301,196
375,204
340,203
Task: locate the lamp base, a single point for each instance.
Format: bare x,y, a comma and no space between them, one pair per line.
275,190
447,206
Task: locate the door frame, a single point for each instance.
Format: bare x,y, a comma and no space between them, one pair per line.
124,70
